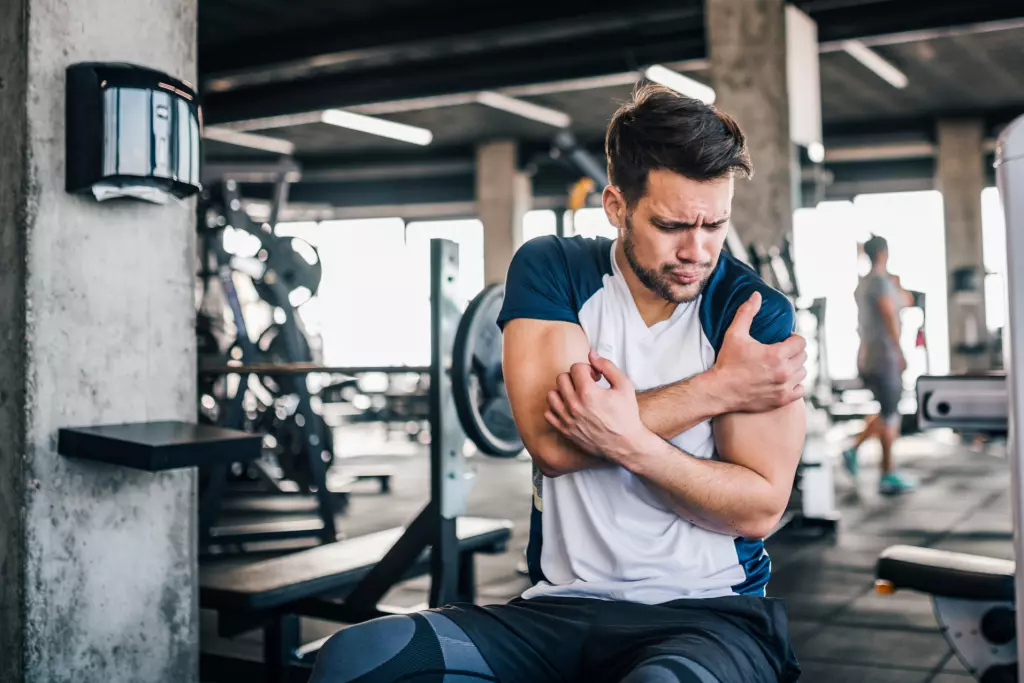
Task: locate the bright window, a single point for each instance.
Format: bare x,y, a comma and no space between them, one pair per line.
538,223
593,223
993,236
827,265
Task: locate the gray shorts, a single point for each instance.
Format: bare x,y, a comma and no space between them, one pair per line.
887,388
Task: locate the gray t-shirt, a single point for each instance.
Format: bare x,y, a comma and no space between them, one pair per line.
879,353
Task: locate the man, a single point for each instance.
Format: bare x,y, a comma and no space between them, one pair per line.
656,383
880,362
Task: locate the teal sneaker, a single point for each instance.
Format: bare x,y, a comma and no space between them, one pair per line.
850,461
893,484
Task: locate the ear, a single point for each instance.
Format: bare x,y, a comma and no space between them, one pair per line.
614,206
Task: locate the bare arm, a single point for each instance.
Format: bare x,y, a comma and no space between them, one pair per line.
534,352
675,408
530,376
744,494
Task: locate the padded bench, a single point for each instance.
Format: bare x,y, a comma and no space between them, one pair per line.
326,569
946,574
314,582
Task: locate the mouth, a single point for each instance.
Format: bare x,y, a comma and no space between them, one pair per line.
685,278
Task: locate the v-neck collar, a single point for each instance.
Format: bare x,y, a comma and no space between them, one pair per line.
636,318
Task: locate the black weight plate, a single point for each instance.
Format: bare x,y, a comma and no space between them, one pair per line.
272,348
287,258
478,386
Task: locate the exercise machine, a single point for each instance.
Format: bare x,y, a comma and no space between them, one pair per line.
975,596
346,580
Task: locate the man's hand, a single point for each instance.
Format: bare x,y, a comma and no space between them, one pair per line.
755,377
602,422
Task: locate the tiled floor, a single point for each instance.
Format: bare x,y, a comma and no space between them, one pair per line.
841,630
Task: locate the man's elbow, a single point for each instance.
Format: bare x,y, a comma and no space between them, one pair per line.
763,523
549,470
760,527
548,457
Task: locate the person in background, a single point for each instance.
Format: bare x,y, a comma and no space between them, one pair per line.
881,362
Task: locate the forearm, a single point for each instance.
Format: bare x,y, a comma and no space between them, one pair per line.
719,496
675,408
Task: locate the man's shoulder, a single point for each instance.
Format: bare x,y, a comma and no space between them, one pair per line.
734,282
550,278
571,252
576,262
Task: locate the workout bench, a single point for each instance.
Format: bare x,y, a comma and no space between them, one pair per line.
973,597
323,582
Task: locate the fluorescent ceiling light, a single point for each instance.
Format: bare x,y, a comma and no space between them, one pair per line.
874,61
527,110
375,126
262,142
683,85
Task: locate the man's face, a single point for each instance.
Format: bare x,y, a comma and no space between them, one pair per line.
673,237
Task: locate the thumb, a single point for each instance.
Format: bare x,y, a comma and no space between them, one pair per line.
744,317
615,377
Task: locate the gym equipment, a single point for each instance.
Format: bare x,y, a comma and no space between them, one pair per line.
974,603
963,402
345,581
975,597
478,385
285,273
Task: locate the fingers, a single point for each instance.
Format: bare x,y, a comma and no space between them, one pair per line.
616,378
558,408
793,346
582,375
555,422
745,314
564,386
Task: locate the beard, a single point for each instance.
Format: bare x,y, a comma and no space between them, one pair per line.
660,280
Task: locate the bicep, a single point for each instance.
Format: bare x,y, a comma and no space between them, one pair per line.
534,353
769,444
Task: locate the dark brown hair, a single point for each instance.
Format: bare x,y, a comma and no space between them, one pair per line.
875,246
661,129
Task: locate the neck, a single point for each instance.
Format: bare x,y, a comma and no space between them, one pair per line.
879,269
653,307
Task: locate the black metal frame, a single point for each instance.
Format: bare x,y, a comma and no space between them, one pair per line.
433,531
213,495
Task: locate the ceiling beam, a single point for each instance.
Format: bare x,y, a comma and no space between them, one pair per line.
454,76
519,70
427,35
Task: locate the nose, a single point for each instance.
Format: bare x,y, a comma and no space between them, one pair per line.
692,246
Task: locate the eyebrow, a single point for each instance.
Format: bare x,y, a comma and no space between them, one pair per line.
683,225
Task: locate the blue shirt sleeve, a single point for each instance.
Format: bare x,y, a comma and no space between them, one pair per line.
730,286
538,284
776,320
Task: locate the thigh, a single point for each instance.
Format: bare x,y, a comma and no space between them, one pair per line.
529,641
424,648
888,390
701,658
669,669
732,639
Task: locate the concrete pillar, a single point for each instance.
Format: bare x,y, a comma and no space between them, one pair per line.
747,49
97,563
503,196
960,176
